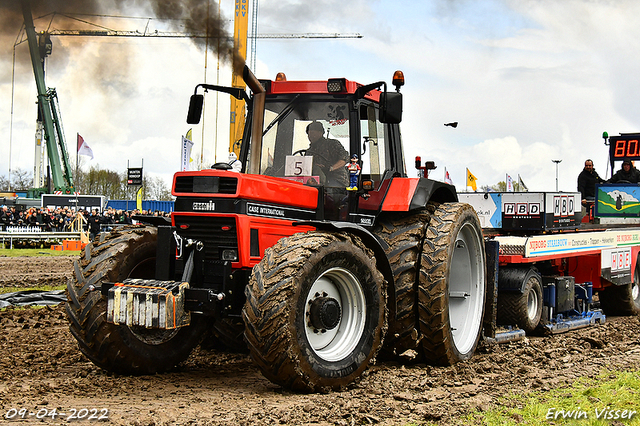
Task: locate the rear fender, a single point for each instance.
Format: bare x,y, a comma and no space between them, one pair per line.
406,194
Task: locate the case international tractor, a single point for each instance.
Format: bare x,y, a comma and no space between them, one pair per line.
315,279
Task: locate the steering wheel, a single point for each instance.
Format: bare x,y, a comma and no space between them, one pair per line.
302,152
222,166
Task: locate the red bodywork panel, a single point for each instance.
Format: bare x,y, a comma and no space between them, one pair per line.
280,87
400,194
258,188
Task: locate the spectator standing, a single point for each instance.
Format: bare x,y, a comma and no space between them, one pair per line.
587,180
94,224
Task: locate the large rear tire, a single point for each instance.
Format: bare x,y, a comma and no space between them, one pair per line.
128,253
401,239
315,311
452,284
523,309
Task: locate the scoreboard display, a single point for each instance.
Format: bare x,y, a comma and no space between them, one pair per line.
624,147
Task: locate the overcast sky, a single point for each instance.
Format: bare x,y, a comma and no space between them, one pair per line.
528,82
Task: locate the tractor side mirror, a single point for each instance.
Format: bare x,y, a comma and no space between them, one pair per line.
391,107
195,109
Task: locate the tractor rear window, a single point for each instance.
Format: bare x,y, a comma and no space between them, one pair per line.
306,139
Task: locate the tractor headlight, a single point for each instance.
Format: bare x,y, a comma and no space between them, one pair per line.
230,254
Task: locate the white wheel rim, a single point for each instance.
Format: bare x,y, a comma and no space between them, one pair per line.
635,292
337,343
466,288
532,304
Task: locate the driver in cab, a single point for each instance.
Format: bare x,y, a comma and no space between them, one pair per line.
329,156
627,174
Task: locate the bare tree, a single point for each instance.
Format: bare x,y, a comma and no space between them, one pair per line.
4,184
21,179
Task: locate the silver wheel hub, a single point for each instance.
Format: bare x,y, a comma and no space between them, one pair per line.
335,312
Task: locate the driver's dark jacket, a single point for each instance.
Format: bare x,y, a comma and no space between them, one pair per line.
633,176
327,152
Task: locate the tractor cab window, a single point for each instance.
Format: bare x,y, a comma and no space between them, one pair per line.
306,140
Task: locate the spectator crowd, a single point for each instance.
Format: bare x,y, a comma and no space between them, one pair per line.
60,219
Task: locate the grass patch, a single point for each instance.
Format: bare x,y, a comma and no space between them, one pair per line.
37,252
614,396
4,290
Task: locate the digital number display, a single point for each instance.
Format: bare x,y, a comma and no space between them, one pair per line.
625,147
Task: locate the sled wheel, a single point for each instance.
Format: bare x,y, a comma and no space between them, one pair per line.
624,299
315,311
401,238
126,253
523,309
452,284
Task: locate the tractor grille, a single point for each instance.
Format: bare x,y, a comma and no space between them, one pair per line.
206,184
217,233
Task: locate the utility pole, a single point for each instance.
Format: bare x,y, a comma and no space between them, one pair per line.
557,162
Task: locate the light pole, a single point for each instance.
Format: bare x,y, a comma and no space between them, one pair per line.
557,162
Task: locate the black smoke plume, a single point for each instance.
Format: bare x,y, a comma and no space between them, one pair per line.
188,16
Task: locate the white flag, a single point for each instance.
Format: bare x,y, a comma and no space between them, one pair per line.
447,178
509,184
186,152
83,148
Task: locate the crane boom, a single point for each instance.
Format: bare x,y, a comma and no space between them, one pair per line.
176,34
62,177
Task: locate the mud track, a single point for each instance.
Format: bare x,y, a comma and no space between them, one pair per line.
41,369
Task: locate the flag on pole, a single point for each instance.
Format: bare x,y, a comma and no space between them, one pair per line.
139,199
447,178
471,180
521,183
186,151
509,184
83,148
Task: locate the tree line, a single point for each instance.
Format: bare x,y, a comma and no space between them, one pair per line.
96,181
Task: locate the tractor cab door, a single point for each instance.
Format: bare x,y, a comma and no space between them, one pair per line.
380,155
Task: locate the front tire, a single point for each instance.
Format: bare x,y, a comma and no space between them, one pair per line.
128,253
452,284
315,311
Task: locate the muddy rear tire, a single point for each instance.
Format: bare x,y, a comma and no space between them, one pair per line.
401,239
452,284
128,253
315,311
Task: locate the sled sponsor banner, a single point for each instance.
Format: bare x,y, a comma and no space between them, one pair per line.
523,210
580,242
615,265
488,207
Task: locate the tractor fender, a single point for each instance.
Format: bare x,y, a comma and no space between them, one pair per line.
431,190
369,239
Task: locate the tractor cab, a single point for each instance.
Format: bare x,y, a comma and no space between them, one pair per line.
309,131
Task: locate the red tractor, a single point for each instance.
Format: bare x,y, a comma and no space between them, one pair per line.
286,257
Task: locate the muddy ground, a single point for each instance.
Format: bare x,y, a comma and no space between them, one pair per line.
41,370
